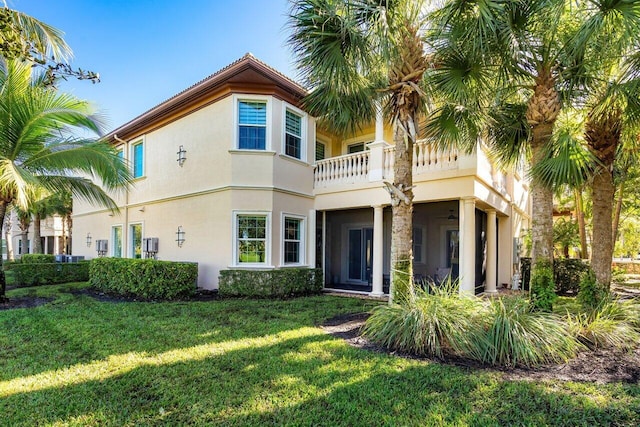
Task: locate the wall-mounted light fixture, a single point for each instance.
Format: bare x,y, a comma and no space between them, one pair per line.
180,236
88,240
182,155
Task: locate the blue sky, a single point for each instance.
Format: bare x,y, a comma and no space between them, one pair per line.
148,50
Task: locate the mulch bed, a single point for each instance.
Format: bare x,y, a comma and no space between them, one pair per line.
600,366
23,302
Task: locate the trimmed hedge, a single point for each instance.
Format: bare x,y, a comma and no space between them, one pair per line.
144,278
567,273
36,274
37,258
281,283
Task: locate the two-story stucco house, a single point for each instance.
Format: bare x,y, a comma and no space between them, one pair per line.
233,173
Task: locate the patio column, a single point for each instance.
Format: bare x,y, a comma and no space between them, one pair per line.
492,253
468,245
376,149
378,251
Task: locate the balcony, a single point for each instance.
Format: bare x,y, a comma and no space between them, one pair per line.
376,164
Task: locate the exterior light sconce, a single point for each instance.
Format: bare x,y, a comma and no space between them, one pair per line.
182,155
180,236
88,240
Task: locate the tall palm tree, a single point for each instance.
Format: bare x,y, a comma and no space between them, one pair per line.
609,33
355,55
38,154
525,47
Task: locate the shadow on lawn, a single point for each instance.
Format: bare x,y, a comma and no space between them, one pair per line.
317,380
82,330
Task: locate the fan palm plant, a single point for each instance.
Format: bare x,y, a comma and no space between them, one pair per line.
38,154
520,54
356,55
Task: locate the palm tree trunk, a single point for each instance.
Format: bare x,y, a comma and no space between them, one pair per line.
603,136
3,279
402,210
602,253
542,201
542,111
582,229
37,244
616,216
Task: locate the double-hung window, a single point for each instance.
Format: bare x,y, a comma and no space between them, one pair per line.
293,135
137,157
251,243
252,125
293,240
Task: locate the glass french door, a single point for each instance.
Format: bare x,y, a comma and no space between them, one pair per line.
360,254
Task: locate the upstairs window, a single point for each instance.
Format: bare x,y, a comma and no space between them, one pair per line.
293,135
355,148
320,151
137,152
252,125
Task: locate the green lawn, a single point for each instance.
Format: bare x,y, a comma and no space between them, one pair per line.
77,361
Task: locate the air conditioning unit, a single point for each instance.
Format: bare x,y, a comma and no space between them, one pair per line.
150,245
102,246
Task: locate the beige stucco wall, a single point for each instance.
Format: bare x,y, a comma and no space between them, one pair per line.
215,181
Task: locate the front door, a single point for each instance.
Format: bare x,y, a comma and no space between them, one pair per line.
360,254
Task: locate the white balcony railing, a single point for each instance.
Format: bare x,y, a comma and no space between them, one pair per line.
426,158
347,169
364,167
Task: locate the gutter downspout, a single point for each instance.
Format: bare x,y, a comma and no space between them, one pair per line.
125,227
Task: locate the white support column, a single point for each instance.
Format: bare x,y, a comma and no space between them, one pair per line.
468,245
378,250
376,149
492,253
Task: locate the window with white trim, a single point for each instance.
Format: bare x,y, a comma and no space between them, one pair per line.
252,125
251,239
137,159
293,240
293,134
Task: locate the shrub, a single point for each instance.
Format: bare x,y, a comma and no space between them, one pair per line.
281,283
428,325
613,323
567,273
591,294
542,287
515,335
144,278
37,258
35,274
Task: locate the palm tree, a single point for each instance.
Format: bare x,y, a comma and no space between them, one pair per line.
25,38
523,49
38,154
609,33
355,55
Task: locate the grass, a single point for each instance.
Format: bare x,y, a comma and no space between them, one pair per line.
76,361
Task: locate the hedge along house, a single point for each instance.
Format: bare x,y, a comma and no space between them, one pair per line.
233,174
